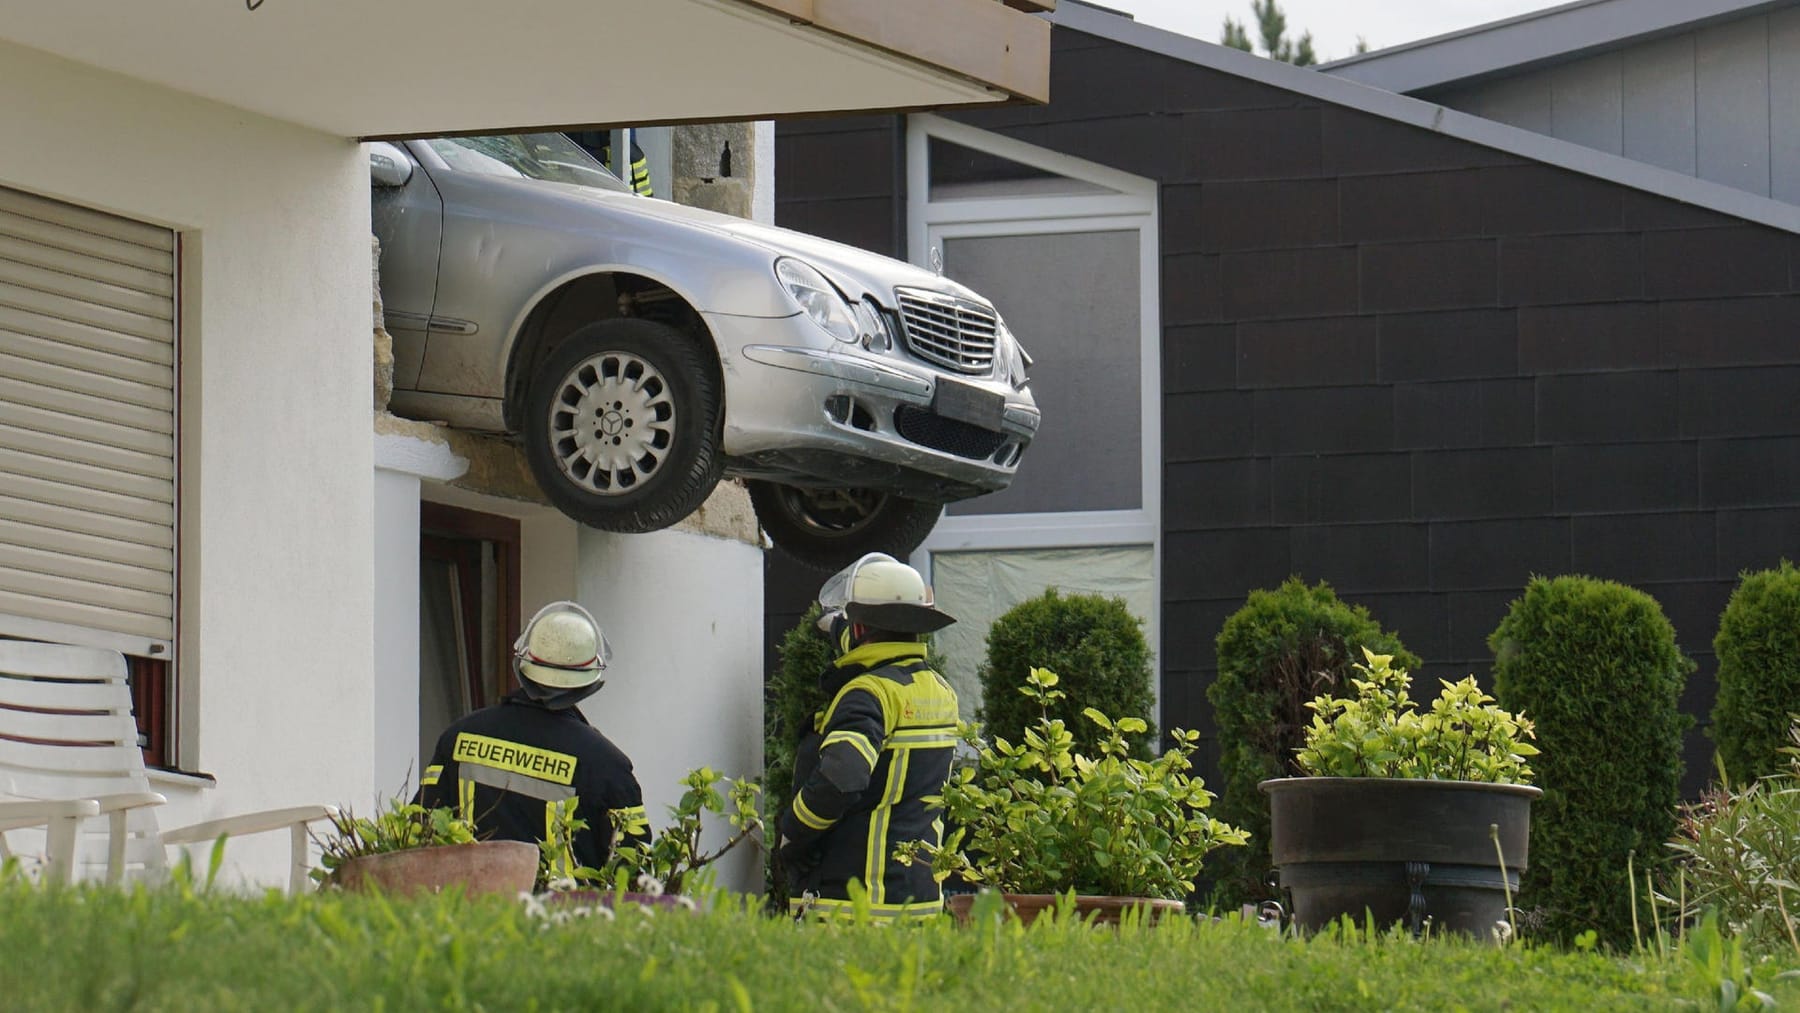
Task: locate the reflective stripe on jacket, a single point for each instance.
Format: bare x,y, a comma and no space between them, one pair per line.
882,745
507,766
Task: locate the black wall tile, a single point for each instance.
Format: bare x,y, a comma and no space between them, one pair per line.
1323,351
1251,144
1421,620
866,223
1505,482
1747,473
1288,283
1474,615
1255,215
1414,205
1623,477
1357,143
1758,401
1529,199
1216,494
1190,632
1149,145
1208,424
1465,413
1191,289
1131,78
1730,332
1435,275
1609,335
1632,548
1757,539
1743,260
1364,557
1693,608
1189,88
1651,211
1312,489
1199,357
1607,407
1224,564
1449,345
1497,554
811,165
1535,270
1323,419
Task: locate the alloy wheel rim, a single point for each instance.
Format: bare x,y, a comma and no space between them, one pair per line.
833,512
612,423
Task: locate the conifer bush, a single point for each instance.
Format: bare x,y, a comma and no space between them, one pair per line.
791,695
1093,643
1759,672
1594,665
1284,648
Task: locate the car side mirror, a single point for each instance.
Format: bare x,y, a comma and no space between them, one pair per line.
388,164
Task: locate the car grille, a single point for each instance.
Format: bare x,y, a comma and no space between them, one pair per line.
952,436
951,332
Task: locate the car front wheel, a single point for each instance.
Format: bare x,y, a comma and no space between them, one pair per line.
828,529
622,425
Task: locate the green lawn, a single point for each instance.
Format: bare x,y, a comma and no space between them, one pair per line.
97,949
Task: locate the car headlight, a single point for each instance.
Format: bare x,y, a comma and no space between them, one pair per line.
1014,359
872,327
817,298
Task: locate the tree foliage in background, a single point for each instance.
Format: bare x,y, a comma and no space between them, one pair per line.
1594,665
1279,652
1759,672
1094,644
1271,28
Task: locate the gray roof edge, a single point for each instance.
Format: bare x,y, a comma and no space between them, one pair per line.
1430,116
1533,38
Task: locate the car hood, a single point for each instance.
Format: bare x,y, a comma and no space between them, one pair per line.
857,271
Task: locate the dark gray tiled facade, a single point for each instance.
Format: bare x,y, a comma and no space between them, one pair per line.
1422,369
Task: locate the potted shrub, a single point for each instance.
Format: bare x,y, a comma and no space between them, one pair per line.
1037,819
1407,815
667,868
407,848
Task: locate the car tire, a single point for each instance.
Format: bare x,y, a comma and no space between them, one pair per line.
828,529
622,424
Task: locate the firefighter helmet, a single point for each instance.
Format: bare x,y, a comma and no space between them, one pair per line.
880,591
561,654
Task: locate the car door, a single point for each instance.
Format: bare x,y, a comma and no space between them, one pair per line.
409,221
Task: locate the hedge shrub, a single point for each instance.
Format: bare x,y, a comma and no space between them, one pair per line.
1759,672
791,695
1594,664
1093,642
1282,649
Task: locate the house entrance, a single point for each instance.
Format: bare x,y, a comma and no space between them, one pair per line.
468,614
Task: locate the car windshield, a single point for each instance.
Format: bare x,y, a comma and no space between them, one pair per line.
551,157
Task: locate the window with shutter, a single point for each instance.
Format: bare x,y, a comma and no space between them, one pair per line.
88,321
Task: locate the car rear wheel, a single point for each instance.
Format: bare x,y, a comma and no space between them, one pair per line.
622,425
828,529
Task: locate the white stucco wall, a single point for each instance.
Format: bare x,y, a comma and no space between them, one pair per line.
276,599
684,615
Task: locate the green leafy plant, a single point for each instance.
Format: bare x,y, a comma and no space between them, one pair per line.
1596,666
400,826
1040,817
1099,649
1380,732
1739,852
674,854
1283,649
790,699
1758,645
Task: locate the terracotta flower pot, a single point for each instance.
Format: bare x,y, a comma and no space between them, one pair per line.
503,867
1100,910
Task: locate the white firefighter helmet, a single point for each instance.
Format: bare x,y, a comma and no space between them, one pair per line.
880,591
561,653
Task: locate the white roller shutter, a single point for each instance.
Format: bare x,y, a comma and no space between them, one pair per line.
87,425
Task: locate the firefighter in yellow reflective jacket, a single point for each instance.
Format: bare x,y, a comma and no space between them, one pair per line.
881,745
507,766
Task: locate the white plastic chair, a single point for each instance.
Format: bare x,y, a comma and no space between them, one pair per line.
69,756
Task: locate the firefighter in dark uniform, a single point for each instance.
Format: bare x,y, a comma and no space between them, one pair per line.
881,745
507,766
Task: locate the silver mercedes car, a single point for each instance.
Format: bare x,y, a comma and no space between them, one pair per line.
642,349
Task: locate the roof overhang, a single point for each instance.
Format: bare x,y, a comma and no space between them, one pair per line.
393,68
1535,39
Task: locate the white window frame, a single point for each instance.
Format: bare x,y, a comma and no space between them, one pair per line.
1132,204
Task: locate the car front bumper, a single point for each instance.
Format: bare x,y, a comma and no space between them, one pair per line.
805,415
